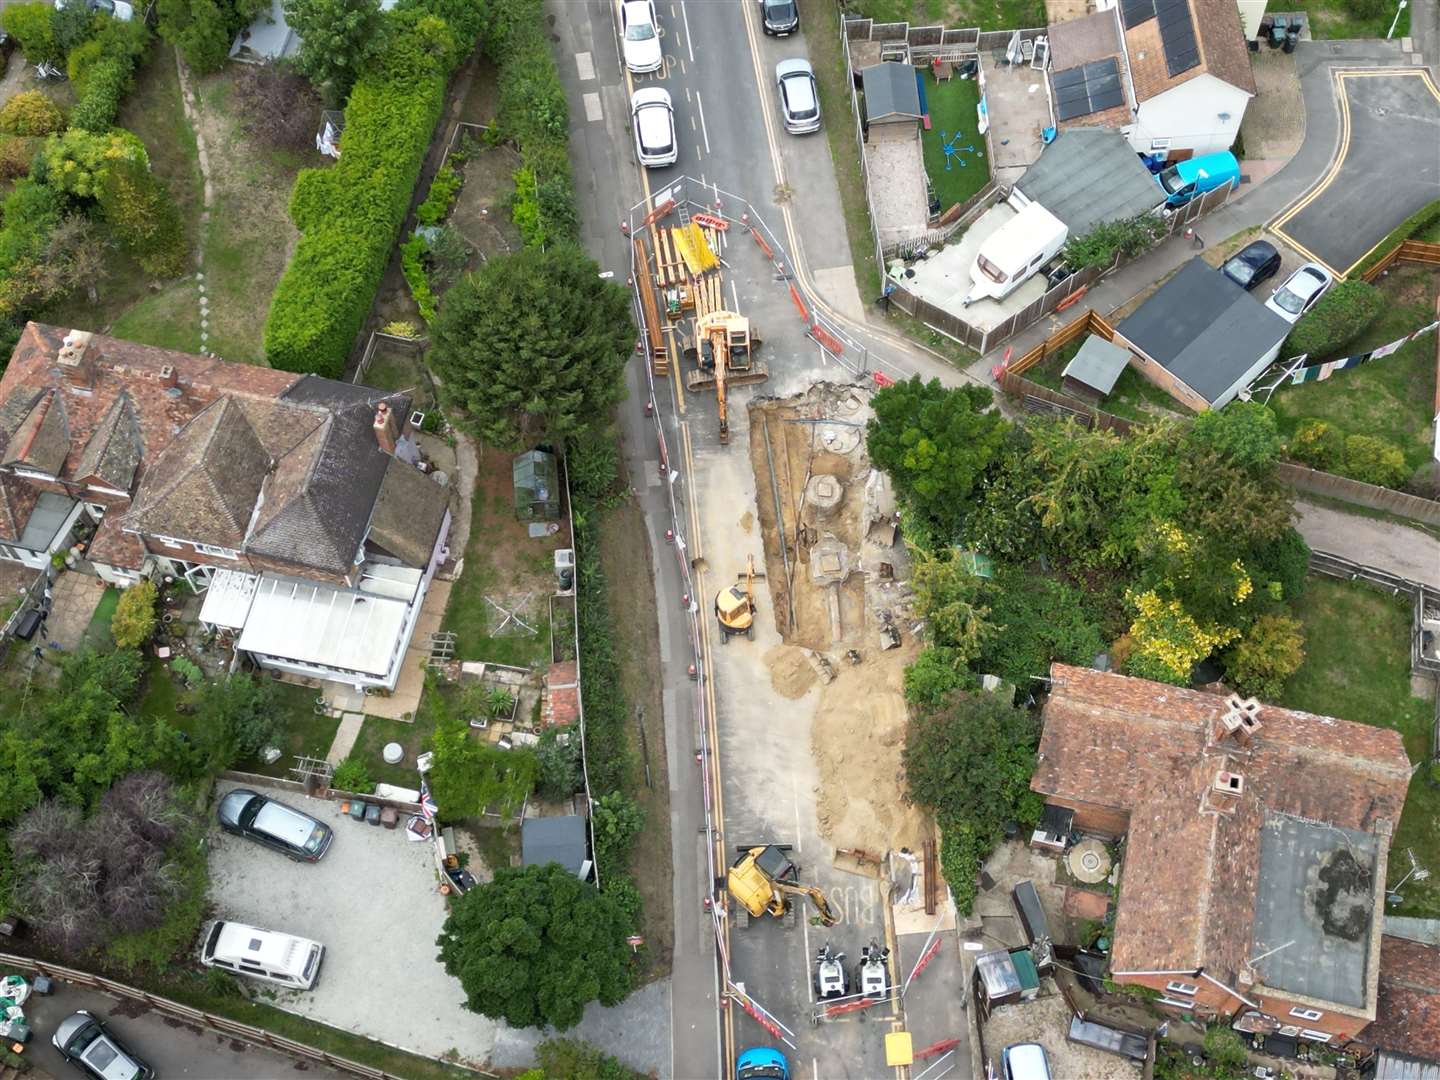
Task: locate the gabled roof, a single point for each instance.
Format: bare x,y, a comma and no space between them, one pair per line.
17,499
407,514
1194,863
890,90
206,481
1089,176
41,438
1408,1018
1223,52
112,454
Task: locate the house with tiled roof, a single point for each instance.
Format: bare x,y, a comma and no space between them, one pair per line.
1407,1028
1173,75
294,503
1255,846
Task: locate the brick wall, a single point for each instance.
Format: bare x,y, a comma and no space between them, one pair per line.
250,563
1163,379
1090,817
1343,1025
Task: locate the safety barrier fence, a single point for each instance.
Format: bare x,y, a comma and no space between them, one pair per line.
208,1020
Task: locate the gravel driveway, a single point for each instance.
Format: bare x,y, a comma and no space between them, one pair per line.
373,901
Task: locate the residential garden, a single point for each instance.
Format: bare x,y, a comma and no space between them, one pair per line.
955,160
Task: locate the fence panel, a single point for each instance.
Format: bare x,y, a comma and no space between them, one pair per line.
856,28
1361,494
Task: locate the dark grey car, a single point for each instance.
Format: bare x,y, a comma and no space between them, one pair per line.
780,17
85,1042
1252,264
287,830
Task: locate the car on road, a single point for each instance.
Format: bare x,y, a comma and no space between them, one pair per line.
761,1063
653,120
1025,1061
1301,292
1252,264
289,831
779,17
85,1042
799,101
641,35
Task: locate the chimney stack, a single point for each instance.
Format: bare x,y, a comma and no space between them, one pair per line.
385,427
1241,719
168,378
75,365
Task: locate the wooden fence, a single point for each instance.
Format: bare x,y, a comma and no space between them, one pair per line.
1409,251
1360,494
255,1036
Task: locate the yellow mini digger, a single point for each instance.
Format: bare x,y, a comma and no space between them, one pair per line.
763,882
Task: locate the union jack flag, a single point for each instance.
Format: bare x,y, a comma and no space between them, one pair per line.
427,802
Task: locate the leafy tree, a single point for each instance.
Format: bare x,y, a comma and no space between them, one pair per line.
142,215
1003,523
72,24
134,619
1105,242
617,820
235,719
1243,431
336,38
30,112
1341,315
571,1059
532,346
1271,650
1282,567
1037,620
276,106
78,161
32,26
1165,642
936,672
77,257
203,29
936,443
947,597
558,765
970,761
534,946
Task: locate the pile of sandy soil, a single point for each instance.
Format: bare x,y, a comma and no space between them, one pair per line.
857,738
791,673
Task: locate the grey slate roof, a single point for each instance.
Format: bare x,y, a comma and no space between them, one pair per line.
114,450
890,91
408,514
1314,907
554,839
1089,176
1098,364
1204,329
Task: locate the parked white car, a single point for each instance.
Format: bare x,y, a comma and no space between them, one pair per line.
641,35
283,959
117,9
1301,292
799,103
653,120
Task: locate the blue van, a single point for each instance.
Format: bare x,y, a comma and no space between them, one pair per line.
1184,180
762,1063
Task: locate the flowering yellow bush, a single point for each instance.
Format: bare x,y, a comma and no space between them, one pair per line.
1167,642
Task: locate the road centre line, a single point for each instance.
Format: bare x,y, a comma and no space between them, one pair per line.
689,41
703,129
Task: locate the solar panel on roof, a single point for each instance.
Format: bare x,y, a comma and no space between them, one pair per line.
1135,12
1177,34
1080,91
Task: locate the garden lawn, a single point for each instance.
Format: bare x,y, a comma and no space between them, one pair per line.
1134,397
1392,398
394,368
985,14
952,115
97,634
1357,667
414,737
1334,19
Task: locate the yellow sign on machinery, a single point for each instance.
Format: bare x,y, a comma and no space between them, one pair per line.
691,244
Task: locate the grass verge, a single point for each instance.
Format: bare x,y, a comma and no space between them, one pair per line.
1333,20
1365,678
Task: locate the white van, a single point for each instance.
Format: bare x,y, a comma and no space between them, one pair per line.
279,958
1014,251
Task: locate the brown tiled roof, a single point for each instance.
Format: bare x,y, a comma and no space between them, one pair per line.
1080,41
17,499
1192,857
113,546
205,483
112,454
1223,52
41,440
1407,1020
408,514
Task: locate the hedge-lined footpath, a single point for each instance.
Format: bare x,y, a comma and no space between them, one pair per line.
351,212
1417,222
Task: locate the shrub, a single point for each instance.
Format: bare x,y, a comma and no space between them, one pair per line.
558,764
353,775
139,210
350,224
1417,222
1268,653
1375,461
936,672
441,196
469,777
30,213
16,155
189,671
203,29
447,256
108,79
412,265
79,62
1102,244
1342,315
31,113
72,24
1319,444
525,209
32,26
1283,566
134,619
617,820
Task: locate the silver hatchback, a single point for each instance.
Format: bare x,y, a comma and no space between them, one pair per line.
799,100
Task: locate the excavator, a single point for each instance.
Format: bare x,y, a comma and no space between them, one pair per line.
735,607
763,882
724,355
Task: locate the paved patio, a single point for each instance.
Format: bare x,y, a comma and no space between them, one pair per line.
1019,109
75,598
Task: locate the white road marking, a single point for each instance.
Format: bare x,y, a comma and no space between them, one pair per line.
685,18
805,927
815,1068
593,111
703,130
794,791
736,295
687,94
693,126
585,65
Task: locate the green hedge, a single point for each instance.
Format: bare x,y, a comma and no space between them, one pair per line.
107,80
1417,222
1342,315
351,218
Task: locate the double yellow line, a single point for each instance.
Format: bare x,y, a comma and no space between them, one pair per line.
1342,151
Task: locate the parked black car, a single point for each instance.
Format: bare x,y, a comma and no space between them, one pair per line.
85,1042
287,830
780,17
1252,264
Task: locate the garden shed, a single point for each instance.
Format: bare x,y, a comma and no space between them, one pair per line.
537,486
1096,368
558,840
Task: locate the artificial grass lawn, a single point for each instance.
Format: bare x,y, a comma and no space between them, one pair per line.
1357,667
1333,20
952,118
1392,398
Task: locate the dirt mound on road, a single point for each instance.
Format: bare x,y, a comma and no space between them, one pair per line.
857,738
791,673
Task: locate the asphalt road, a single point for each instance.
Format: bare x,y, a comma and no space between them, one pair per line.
173,1048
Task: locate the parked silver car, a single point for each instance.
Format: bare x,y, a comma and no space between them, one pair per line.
248,813
799,100
85,1042
1301,292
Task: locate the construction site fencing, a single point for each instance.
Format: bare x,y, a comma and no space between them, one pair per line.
234,1029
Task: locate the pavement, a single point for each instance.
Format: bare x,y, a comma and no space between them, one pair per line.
172,1047
1376,542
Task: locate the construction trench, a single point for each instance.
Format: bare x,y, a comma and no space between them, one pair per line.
779,474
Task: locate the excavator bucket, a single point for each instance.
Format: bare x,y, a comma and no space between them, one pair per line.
857,861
